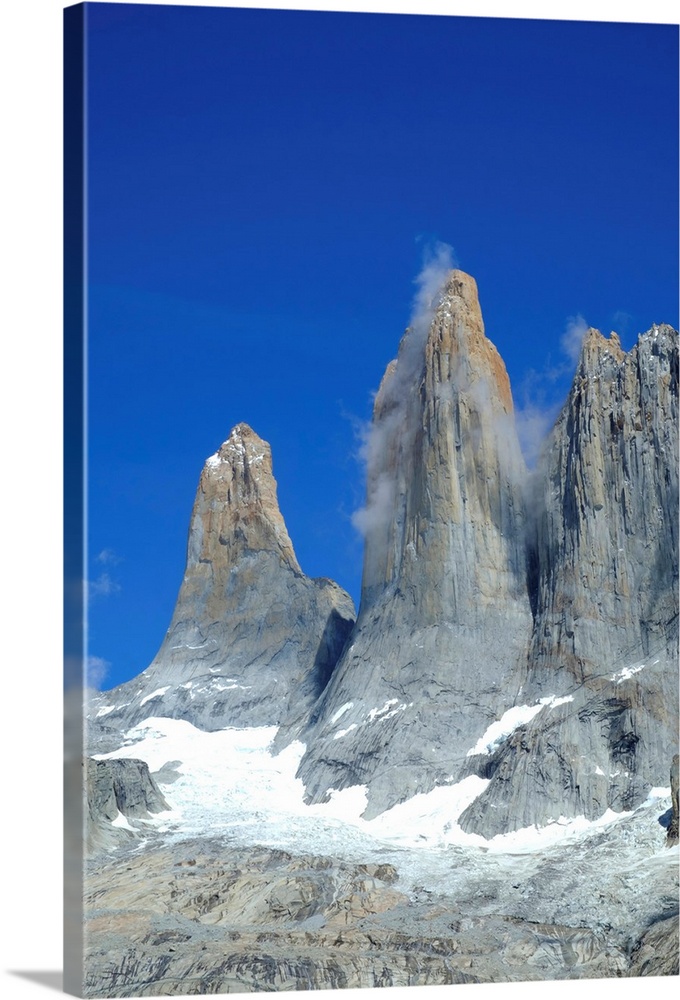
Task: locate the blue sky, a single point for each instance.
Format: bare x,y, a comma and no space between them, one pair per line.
264,187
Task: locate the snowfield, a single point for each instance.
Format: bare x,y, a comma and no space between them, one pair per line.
231,784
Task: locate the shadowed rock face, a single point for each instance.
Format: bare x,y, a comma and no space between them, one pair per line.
672,835
252,639
606,546
604,554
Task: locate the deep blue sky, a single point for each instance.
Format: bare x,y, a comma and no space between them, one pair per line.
262,188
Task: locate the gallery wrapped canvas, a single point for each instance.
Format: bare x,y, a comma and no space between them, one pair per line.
373,678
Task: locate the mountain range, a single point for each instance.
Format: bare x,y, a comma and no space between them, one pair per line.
490,592
517,634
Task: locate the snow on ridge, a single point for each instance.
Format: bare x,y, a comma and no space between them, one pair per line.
154,694
343,732
511,720
389,709
105,711
386,712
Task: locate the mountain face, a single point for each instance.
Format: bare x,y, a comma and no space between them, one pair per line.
517,629
517,634
445,614
252,639
604,556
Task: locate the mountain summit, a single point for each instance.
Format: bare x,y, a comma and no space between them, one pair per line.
252,639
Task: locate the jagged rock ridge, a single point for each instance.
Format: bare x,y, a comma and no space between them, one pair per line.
252,639
487,589
605,559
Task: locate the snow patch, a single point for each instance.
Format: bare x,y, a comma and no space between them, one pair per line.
105,711
511,720
230,783
627,672
341,711
430,819
121,823
387,711
154,694
343,732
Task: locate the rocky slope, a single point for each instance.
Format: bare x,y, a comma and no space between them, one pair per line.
252,639
210,916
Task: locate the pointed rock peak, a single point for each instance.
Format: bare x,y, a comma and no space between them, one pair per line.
458,349
236,508
457,296
597,349
462,286
243,448
447,341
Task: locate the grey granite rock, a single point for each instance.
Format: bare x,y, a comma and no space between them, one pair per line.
488,589
115,790
604,557
252,639
445,614
672,833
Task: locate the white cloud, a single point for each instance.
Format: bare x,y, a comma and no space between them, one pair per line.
103,586
395,429
108,557
96,671
571,340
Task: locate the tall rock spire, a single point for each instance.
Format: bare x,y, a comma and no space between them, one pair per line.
252,639
445,615
607,509
236,511
445,469
604,647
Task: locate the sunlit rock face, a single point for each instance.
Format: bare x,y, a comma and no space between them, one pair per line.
252,639
445,613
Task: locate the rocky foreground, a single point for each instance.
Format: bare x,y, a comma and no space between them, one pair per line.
168,916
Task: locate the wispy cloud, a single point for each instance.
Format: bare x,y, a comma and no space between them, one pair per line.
571,340
97,670
541,393
108,557
378,440
103,586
